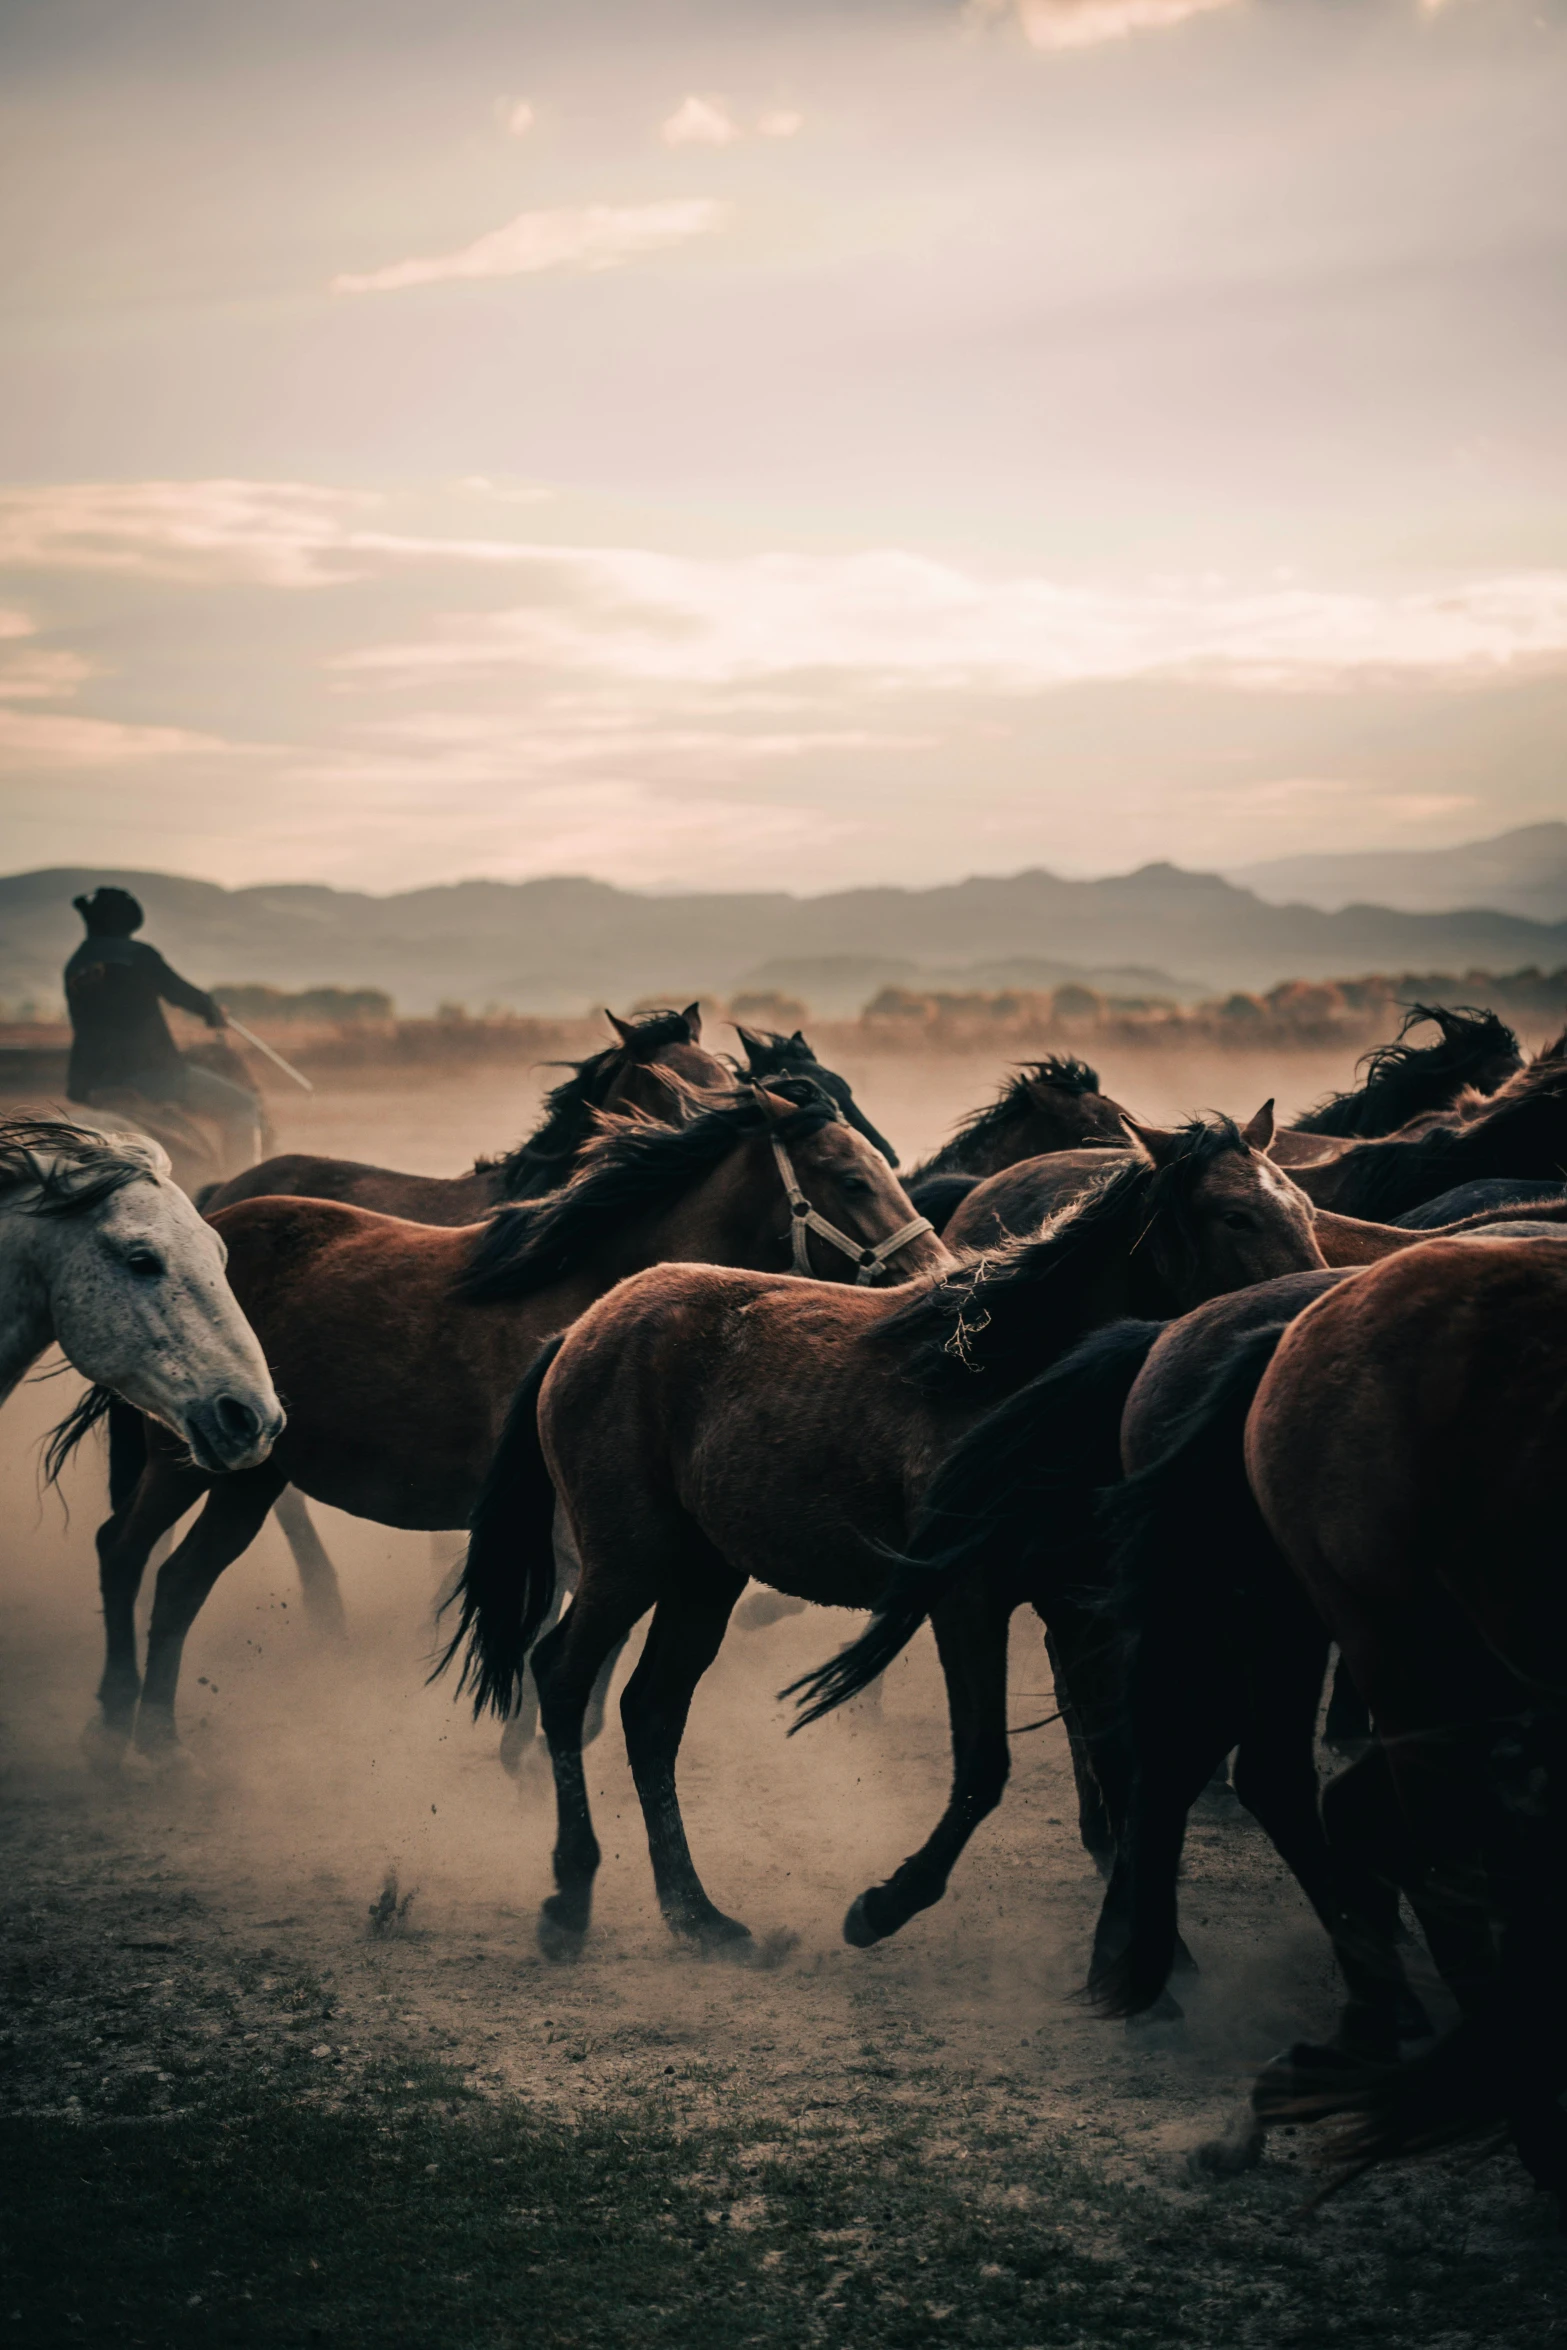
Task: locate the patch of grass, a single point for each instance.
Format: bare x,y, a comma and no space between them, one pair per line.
405,2210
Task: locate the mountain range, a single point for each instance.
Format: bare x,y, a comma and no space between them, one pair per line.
562,944
1523,872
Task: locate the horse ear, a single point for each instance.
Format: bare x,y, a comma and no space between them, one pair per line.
1154,1143
749,1038
799,1039
692,1016
1259,1131
775,1107
623,1028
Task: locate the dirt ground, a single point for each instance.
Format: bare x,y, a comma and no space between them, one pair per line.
235,2111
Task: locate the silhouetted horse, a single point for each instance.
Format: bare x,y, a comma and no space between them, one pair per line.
704,1427
1049,1105
1477,1051
398,1345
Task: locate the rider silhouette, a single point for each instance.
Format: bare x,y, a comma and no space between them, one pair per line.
115,987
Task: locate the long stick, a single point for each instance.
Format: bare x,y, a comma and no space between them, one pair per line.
276,1059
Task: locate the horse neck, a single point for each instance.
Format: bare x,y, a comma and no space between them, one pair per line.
26,1317
736,1215
1043,1320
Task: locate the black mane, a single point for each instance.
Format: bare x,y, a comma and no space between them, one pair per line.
634,1169
1404,1080
1011,1106
543,1162
1005,1314
1521,1132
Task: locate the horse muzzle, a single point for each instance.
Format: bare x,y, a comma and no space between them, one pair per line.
231,1432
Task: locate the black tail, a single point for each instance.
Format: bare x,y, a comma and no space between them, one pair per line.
96,1406
1178,1529
508,1580
1019,1488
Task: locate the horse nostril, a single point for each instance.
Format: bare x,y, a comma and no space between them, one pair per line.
236,1420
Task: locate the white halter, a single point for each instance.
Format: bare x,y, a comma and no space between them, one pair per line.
803,1218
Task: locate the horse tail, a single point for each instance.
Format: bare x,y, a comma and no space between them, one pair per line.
1021,1482
89,1412
1176,1530
507,1584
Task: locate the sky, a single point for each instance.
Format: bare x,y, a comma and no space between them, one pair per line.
749,443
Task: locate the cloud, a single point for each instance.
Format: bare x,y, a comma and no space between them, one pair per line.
585,237
1084,24
905,621
700,122
31,739
282,534
515,116
779,122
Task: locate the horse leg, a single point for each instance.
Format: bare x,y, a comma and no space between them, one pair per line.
235,1512
1347,1727
566,1663
1085,1665
164,1491
1182,1716
686,1634
971,1639
317,1576
593,1719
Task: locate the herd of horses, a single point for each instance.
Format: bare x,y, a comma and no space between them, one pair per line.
1215,1400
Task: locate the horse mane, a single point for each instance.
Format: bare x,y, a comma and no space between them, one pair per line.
1401,1080
630,1167
547,1156
1012,1103
51,1167
1387,1176
995,1313
769,1055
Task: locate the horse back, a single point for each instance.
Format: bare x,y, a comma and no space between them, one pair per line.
420,1199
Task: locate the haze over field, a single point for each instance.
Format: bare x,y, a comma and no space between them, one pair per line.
745,447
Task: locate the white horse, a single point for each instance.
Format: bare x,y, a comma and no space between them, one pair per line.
103,1255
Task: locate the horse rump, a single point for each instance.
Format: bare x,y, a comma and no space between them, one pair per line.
507,1585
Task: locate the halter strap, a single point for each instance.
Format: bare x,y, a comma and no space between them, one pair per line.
803,1218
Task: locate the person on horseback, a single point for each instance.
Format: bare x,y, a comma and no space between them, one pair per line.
115,988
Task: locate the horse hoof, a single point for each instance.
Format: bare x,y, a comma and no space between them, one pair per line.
1228,2157
860,1929
105,1744
1164,2013
162,1762
559,1938
716,1936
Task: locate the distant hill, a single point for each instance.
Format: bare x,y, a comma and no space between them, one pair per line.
561,945
1523,872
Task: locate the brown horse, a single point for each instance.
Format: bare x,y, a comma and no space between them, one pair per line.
632,1074
627,1075
399,1344
1408,1451
703,1427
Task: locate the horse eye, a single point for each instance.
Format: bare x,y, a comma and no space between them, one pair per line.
147,1263
1239,1221
853,1183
